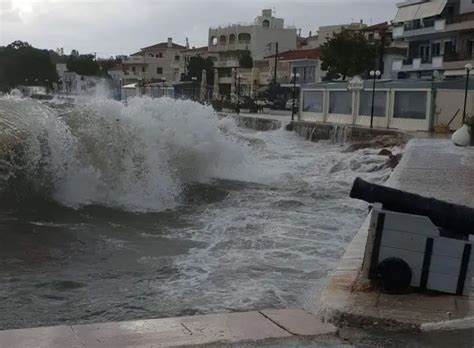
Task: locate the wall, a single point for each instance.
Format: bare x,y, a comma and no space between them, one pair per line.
404,108
466,6
448,101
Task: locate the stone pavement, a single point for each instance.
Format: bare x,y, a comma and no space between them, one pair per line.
256,327
430,167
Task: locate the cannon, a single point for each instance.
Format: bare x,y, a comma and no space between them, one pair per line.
416,242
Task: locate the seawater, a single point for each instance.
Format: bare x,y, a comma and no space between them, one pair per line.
160,208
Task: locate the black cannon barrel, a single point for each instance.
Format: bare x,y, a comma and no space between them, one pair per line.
458,219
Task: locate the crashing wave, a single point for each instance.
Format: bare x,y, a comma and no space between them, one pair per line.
138,157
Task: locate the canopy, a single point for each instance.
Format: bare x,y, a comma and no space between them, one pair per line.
420,10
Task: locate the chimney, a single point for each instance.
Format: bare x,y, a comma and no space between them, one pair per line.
187,43
361,21
310,33
170,42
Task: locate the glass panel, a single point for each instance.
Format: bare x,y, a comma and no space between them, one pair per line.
380,103
410,104
313,101
340,102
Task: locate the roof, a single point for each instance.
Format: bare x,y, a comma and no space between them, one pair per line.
312,53
376,27
196,49
161,45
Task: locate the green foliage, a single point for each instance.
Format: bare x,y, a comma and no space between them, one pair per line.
245,60
22,64
83,64
347,54
195,67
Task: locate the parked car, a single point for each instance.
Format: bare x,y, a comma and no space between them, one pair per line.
279,104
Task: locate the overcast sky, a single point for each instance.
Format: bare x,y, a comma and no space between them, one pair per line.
112,27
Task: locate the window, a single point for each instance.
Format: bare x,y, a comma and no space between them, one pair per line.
313,101
410,104
340,102
222,40
371,37
231,39
134,69
143,69
266,23
380,103
176,58
214,41
436,49
244,38
160,55
159,70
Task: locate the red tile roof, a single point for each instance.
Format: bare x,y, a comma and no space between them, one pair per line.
312,53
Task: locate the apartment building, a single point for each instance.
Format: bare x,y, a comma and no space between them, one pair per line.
440,37
159,62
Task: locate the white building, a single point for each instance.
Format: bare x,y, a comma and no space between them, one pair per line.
254,37
160,62
72,83
439,35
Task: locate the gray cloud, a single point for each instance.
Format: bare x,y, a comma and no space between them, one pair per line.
124,26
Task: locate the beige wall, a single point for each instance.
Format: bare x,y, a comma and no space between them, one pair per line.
448,101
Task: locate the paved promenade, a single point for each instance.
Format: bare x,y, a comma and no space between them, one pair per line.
277,326
430,167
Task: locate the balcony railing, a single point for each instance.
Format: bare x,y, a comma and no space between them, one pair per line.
460,18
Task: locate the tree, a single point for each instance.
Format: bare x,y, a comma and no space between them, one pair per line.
245,60
195,67
347,54
22,64
84,64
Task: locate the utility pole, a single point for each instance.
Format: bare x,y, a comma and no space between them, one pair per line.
276,62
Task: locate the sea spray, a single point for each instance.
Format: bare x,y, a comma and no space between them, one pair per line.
137,157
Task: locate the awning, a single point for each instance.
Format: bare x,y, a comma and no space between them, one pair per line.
419,11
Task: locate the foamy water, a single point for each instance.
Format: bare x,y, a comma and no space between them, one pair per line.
174,212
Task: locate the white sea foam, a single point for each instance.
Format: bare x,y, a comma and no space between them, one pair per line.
136,157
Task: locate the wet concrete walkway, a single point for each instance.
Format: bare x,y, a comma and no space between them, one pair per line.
250,327
430,167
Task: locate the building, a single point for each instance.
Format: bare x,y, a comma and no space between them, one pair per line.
259,39
326,33
305,62
256,37
389,49
71,83
159,62
439,34
203,52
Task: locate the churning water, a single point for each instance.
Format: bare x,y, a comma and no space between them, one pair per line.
160,208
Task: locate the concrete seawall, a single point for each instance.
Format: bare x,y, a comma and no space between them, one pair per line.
315,131
433,168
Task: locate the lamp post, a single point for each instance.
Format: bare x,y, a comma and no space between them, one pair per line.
294,76
194,79
468,68
163,80
239,76
374,75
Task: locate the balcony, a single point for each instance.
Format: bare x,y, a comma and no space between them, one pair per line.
418,64
427,28
226,64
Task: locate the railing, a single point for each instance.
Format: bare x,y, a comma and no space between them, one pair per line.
460,18
457,56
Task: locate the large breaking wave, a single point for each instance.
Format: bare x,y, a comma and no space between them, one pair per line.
138,157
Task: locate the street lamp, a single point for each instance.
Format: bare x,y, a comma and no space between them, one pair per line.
194,79
239,76
294,76
374,75
468,68
163,80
